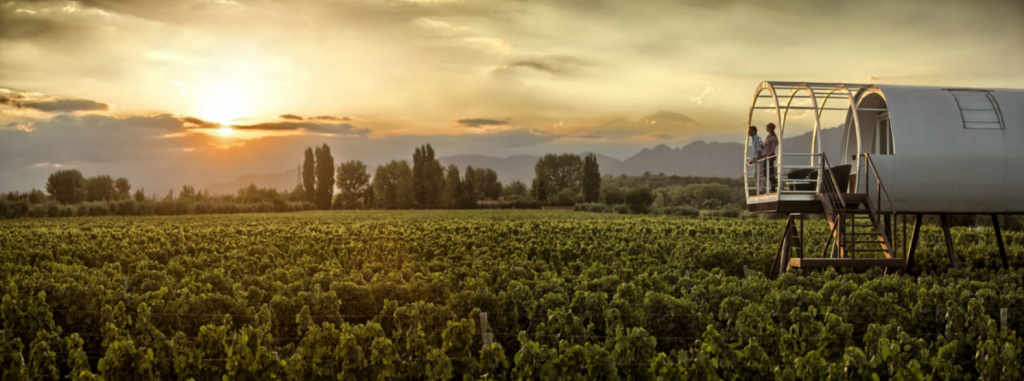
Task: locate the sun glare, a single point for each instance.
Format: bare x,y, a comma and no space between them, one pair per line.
225,102
226,131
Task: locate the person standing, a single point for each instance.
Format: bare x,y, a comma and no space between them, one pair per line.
771,143
758,149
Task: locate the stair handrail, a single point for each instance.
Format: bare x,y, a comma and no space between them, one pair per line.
829,189
880,188
834,190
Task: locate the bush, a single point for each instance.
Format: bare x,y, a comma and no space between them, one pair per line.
639,199
591,207
686,211
728,212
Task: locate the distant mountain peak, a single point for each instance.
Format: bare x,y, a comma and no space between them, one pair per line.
667,116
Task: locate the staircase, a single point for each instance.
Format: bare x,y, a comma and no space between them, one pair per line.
860,235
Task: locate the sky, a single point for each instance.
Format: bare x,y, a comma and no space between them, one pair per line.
171,92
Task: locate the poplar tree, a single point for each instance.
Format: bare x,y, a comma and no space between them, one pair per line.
309,175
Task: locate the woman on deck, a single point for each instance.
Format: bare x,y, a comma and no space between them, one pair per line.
770,144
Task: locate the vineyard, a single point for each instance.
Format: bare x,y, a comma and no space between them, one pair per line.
487,295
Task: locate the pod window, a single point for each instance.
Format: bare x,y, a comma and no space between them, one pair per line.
978,109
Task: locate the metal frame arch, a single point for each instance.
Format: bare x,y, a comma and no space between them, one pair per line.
765,85
881,94
817,121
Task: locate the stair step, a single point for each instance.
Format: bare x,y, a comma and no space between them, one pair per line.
846,262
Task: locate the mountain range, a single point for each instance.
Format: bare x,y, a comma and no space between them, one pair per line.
698,158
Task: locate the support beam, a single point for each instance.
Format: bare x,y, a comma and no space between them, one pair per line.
913,242
999,240
949,240
781,260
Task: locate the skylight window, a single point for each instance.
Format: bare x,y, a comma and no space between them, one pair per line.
978,109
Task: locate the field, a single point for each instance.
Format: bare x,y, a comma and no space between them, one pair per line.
400,295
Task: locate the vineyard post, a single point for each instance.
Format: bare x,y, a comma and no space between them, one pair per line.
485,331
1003,315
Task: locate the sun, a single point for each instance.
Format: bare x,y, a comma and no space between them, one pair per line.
226,131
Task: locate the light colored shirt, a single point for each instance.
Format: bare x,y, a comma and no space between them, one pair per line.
756,141
770,143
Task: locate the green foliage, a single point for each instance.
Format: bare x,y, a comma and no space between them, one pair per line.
591,179
399,295
487,184
453,186
324,177
428,178
393,186
515,188
639,199
354,183
100,188
309,174
553,173
67,186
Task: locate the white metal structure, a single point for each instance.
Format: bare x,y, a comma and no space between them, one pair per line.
936,150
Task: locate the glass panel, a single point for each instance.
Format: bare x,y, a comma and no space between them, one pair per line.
987,116
978,109
973,100
995,125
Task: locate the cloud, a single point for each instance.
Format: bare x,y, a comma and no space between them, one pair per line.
290,117
481,122
196,122
322,128
328,117
515,138
57,105
700,98
557,65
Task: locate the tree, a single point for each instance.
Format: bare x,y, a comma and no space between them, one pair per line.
353,181
639,199
67,186
188,193
539,189
36,196
393,186
140,195
309,175
324,177
453,186
487,184
298,194
613,195
515,188
468,188
553,173
428,177
591,179
99,188
121,188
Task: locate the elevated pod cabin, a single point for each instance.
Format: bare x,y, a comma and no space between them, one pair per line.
905,150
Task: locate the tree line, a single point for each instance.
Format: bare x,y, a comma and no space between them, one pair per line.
425,184
562,180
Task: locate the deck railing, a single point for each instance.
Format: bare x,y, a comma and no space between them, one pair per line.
764,170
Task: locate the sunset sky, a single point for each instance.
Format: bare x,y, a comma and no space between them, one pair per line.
169,92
